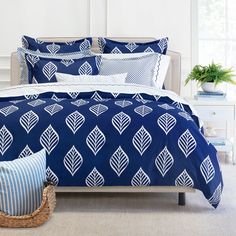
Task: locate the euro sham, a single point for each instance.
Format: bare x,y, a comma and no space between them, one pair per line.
42,70
111,46
56,47
21,52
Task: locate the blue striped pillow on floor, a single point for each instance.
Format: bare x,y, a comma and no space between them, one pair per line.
21,184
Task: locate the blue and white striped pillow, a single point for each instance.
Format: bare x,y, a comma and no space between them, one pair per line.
21,184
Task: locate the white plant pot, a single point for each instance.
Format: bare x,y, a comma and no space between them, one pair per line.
210,87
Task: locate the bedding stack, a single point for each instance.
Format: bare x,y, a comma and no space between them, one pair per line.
40,61
150,137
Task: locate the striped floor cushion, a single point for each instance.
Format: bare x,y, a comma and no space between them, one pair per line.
21,184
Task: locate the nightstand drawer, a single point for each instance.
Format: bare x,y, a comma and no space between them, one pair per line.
215,113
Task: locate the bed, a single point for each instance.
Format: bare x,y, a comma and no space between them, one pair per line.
139,102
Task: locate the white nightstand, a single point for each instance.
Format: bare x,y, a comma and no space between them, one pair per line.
218,110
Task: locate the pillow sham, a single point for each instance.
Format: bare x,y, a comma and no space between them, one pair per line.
22,183
56,47
142,68
35,54
42,70
92,79
111,46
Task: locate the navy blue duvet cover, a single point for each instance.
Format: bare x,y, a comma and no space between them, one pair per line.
106,138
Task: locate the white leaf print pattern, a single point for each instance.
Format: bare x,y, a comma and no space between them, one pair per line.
123,103
216,196
67,62
74,121
142,140
156,97
187,143
49,70
115,95
70,43
36,103
101,44
119,161
26,152
39,42
51,176
73,160
94,179
143,110
166,106
32,59
73,95
53,109
166,122
31,96
131,46
80,102
138,97
6,111
25,43
49,139
56,99
53,48
148,50
16,101
29,120
34,81
85,45
98,109
185,115
207,169
178,105
164,161
96,97
140,179
95,140
116,50
184,180
85,69
6,139
121,121
163,44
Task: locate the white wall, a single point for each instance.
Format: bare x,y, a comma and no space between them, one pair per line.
153,18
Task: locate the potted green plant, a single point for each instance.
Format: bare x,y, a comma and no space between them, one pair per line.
209,77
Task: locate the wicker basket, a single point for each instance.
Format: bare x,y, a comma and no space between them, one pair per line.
38,217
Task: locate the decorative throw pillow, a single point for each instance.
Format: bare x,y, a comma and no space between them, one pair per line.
92,79
35,54
42,70
56,47
142,68
21,184
111,46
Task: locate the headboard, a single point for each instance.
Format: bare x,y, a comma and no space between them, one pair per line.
172,81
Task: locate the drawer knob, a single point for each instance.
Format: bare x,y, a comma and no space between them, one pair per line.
213,113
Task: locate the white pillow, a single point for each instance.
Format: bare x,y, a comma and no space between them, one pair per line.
91,79
159,69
